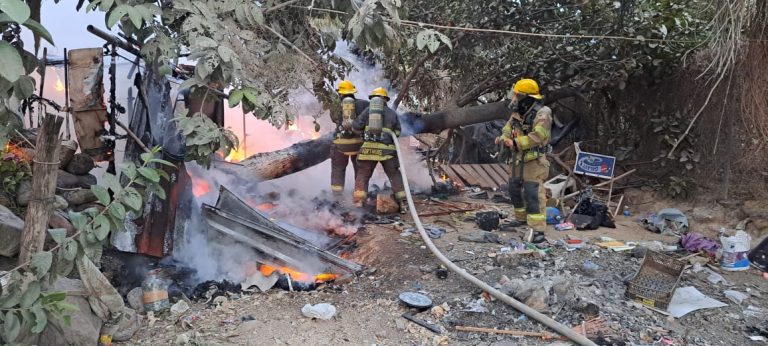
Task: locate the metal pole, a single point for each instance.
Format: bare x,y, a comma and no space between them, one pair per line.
66,93
112,101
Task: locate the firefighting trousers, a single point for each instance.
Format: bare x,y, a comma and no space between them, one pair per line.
339,161
365,171
528,194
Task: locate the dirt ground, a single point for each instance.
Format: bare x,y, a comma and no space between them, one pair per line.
370,314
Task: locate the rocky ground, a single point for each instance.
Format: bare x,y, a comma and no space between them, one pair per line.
557,283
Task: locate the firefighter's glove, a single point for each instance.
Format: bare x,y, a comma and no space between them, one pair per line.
510,144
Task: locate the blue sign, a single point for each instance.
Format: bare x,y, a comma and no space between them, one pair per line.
594,165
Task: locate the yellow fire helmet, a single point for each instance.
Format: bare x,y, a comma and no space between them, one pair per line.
528,87
347,88
380,92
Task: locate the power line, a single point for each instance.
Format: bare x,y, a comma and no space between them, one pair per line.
510,32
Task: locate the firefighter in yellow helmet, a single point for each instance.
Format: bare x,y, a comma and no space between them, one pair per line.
526,138
346,142
376,123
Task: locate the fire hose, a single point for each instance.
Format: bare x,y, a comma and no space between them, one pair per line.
525,309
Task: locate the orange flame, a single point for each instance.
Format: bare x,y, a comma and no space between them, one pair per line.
200,186
296,275
59,86
16,151
236,155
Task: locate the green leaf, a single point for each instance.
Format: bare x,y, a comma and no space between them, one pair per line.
146,157
150,174
11,296
258,17
11,67
160,193
234,97
132,198
129,169
421,39
41,263
162,162
136,18
116,14
110,181
58,234
251,96
78,220
101,193
92,6
41,319
11,327
53,297
30,294
164,70
69,250
106,5
16,9
39,29
117,210
101,227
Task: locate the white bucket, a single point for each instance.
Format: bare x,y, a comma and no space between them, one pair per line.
735,250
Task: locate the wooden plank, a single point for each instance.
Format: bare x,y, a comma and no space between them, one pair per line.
497,178
499,168
504,167
469,178
452,174
484,183
483,175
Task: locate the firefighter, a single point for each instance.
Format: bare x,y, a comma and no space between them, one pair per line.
376,123
526,136
346,142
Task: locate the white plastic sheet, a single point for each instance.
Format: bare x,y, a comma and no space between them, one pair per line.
688,299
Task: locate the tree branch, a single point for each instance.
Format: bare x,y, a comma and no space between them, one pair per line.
407,81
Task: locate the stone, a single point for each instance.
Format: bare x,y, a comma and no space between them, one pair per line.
386,204
129,324
11,227
85,326
538,300
135,299
80,164
60,203
24,192
79,196
68,180
57,220
66,152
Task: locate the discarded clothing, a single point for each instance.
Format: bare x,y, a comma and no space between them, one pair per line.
695,242
667,221
590,216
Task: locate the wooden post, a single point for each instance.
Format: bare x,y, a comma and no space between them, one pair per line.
46,166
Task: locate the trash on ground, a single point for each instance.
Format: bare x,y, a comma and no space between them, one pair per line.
655,282
667,221
261,281
323,311
481,237
476,306
179,308
488,220
553,216
616,245
688,299
735,249
736,296
713,277
695,242
415,300
565,226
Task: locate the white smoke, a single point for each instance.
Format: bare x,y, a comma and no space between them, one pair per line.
218,257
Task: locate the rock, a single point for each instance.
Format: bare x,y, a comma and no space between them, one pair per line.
79,196
24,192
135,299
427,268
538,300
249,327
57,220
639,251
589,310
179,308
5,200
128,326
85,326
11,227
66,152
386,204
323,311
67,180
80,164
60,203
182,339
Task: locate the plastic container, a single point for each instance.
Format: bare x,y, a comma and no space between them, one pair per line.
627,213
155,292
735,250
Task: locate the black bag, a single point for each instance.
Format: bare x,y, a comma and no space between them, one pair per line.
590,216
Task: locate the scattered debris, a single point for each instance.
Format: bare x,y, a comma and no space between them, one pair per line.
409,316
476,306
261,281
488,220
695,242
736,296
179,308
655,281
482,237
667,221
688,299
323,311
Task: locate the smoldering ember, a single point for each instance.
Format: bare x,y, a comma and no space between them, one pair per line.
383,172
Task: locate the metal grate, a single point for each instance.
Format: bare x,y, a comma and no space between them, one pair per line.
655,282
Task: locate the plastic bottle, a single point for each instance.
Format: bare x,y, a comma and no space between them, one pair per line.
155,292
626,211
